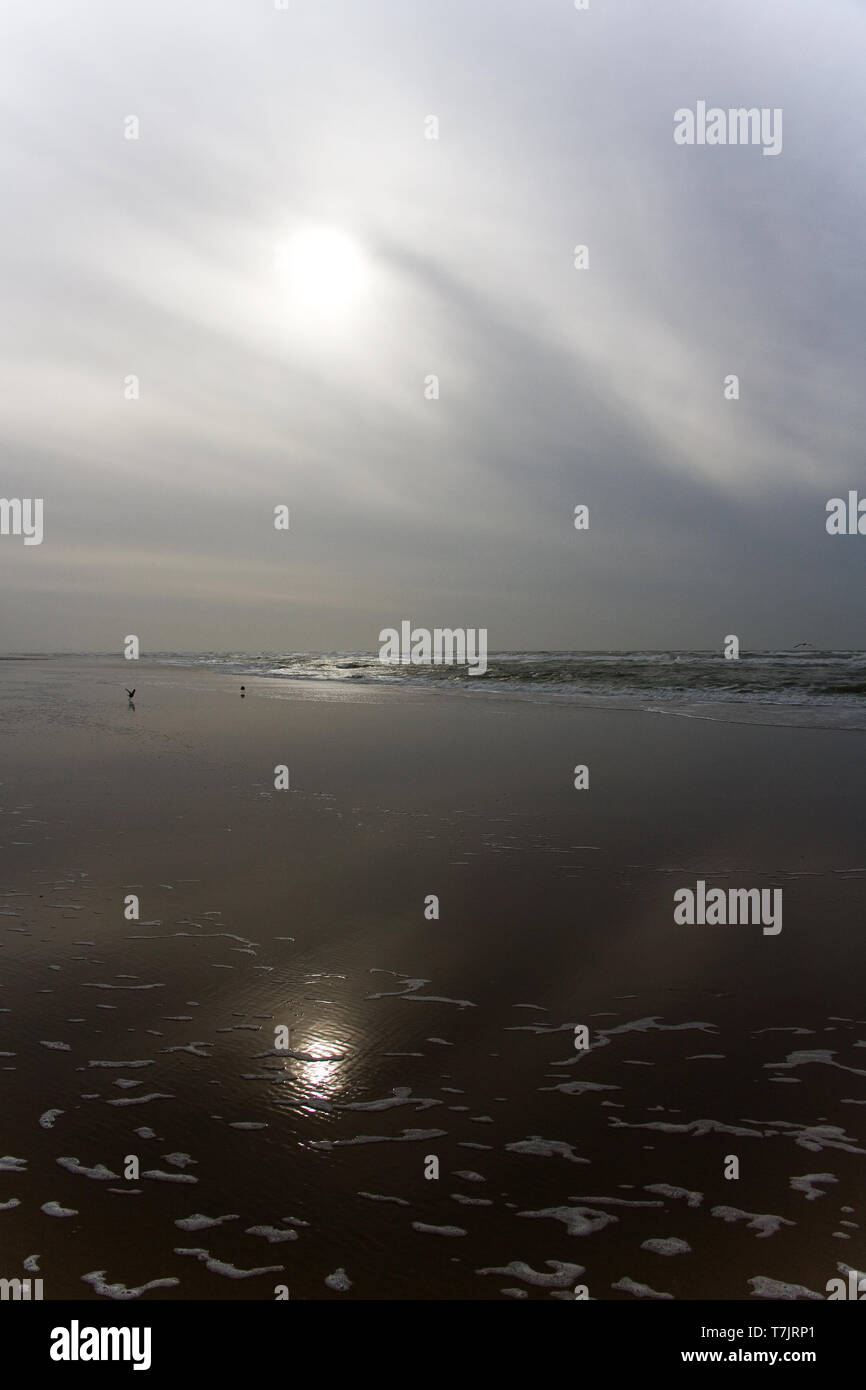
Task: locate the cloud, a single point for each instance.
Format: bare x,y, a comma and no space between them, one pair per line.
155,258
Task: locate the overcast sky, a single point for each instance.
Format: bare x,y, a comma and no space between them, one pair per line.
265,130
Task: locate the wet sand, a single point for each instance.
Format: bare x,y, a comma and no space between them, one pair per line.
416,1038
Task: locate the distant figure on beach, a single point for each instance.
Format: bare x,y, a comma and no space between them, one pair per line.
130,693
243,691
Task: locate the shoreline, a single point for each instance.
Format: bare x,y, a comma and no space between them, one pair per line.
742,712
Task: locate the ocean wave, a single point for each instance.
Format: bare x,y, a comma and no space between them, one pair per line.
828,683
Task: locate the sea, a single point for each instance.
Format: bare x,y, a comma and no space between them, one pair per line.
820,688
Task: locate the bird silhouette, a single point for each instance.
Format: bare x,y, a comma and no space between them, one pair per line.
130,693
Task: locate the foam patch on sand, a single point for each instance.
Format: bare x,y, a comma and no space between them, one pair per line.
437,1230
124,1066
378,1197
199,1222
819,1057
408,982
578,1221
545,1148
669,1245
13,1165
89,984
697,1128
272,1234
409,989
759,1031
539,1028
664,1189
55,1209
762,1287
615,1201
402,1096
564,1275
140,1100
764,1225
96,1280
577,1088
7,1206
639,1290
100,1172
806,1183
408,1136
228,1271
816,1137
159,1176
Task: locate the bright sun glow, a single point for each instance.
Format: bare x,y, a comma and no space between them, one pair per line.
325,270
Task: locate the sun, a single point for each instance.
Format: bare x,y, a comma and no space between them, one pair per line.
325,270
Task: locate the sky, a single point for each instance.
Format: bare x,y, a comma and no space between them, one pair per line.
282,258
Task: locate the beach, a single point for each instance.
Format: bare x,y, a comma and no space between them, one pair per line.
420,1031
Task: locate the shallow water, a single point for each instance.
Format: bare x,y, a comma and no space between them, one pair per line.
411,1038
